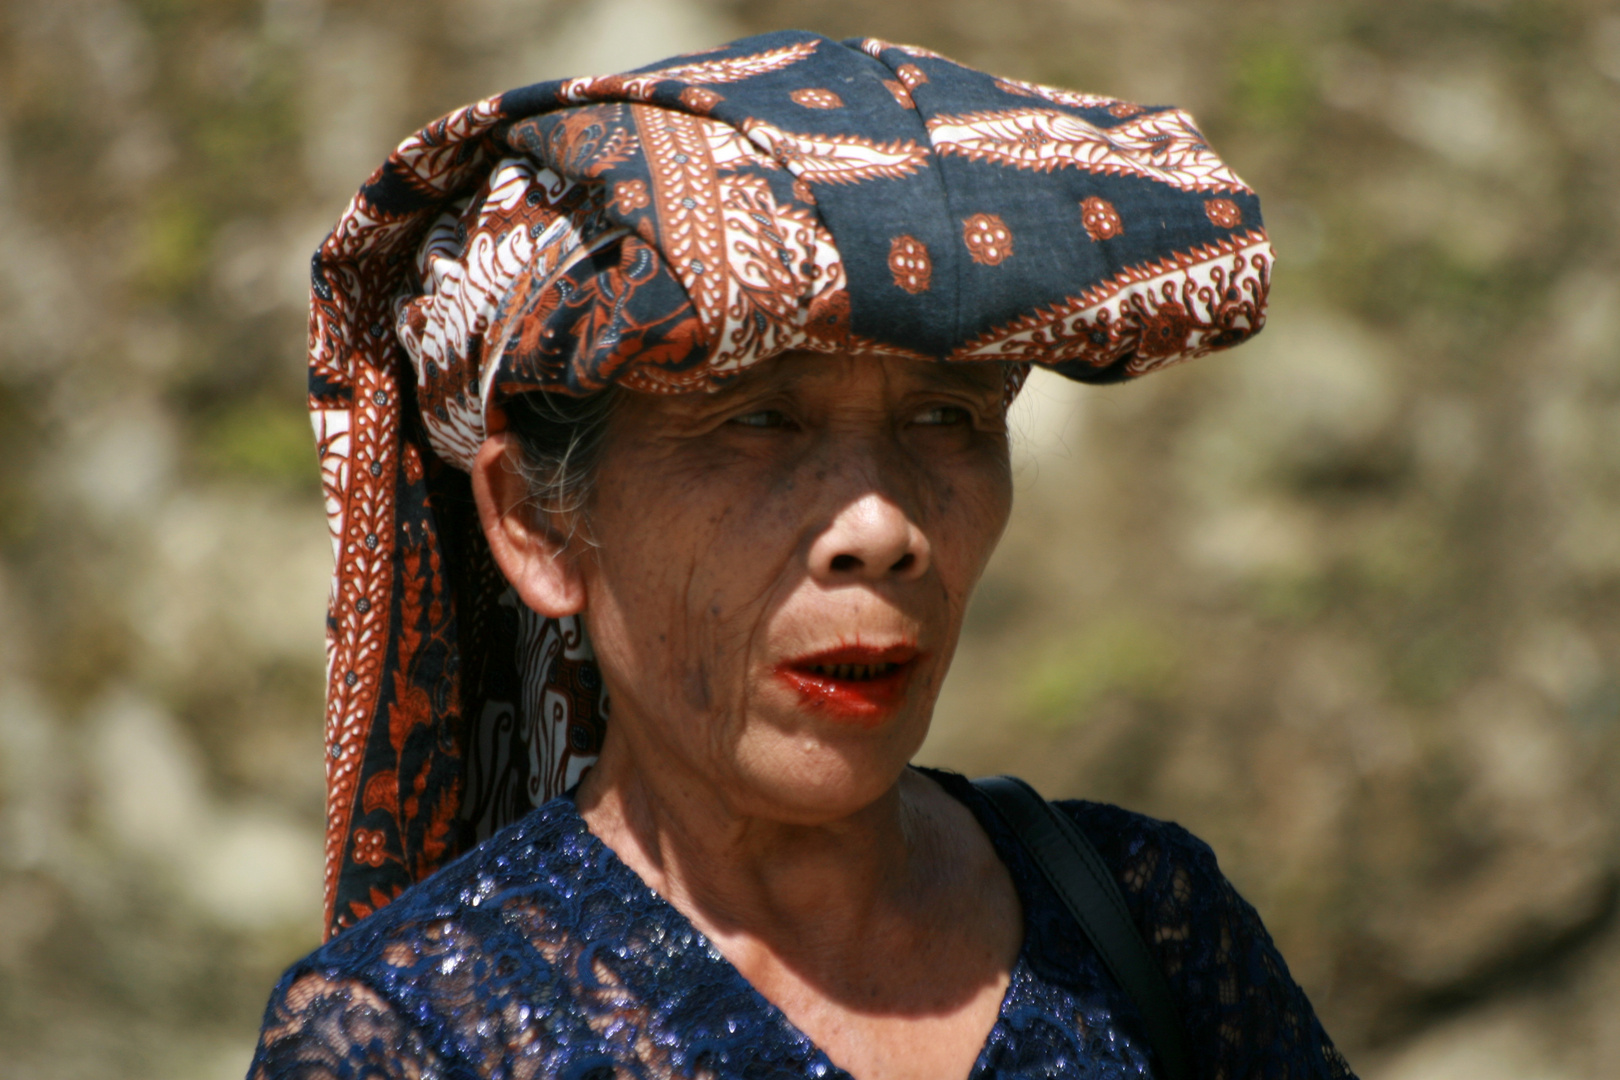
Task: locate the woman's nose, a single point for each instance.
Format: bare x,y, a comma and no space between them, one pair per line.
870,539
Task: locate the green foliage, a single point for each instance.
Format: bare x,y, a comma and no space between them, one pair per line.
1296,598
1271,84
1430,662
239,135
1407,284
19,512
1120,655
174,234
260,441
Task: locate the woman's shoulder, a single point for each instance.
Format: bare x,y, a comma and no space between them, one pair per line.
1115,827
429,971
1149,856
1243,1012
1144,852
1238,1001
538,858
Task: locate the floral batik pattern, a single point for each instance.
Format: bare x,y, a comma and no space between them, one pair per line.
663,231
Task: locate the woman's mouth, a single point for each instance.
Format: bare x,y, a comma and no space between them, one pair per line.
853,684
858,672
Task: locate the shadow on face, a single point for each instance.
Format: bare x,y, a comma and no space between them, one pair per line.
777,572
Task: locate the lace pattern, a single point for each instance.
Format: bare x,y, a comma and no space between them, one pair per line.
540,954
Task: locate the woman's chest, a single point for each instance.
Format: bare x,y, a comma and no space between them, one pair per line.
933,1036
573,967
657,1001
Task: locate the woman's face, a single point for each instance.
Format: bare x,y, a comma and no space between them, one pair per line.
783,567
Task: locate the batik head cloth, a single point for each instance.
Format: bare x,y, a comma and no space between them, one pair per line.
662,231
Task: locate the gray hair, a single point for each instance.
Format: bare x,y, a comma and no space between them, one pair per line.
561,438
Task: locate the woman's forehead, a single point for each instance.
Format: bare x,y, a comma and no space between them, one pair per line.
862,374
821,380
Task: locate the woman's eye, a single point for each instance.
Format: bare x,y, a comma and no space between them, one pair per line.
762,418
943,416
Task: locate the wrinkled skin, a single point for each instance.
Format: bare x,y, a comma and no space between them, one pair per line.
818,502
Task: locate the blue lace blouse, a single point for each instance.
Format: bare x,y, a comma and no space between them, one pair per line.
540,954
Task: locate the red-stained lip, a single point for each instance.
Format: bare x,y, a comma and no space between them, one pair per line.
902,653
856,684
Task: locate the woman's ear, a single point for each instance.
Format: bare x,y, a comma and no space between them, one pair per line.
537,560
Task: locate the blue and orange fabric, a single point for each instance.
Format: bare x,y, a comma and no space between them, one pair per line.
662,231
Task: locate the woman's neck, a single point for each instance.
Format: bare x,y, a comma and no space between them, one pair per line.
754,874
887,935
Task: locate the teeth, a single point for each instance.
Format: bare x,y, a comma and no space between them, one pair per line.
859,672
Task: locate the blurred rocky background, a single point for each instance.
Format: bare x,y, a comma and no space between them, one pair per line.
1345,602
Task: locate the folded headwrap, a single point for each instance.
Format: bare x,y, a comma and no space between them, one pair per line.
662,231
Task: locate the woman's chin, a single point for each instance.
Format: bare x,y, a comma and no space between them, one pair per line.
823,767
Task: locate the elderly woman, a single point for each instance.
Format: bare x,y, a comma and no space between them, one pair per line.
686,390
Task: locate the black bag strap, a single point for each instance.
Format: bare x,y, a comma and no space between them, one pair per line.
1073,867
